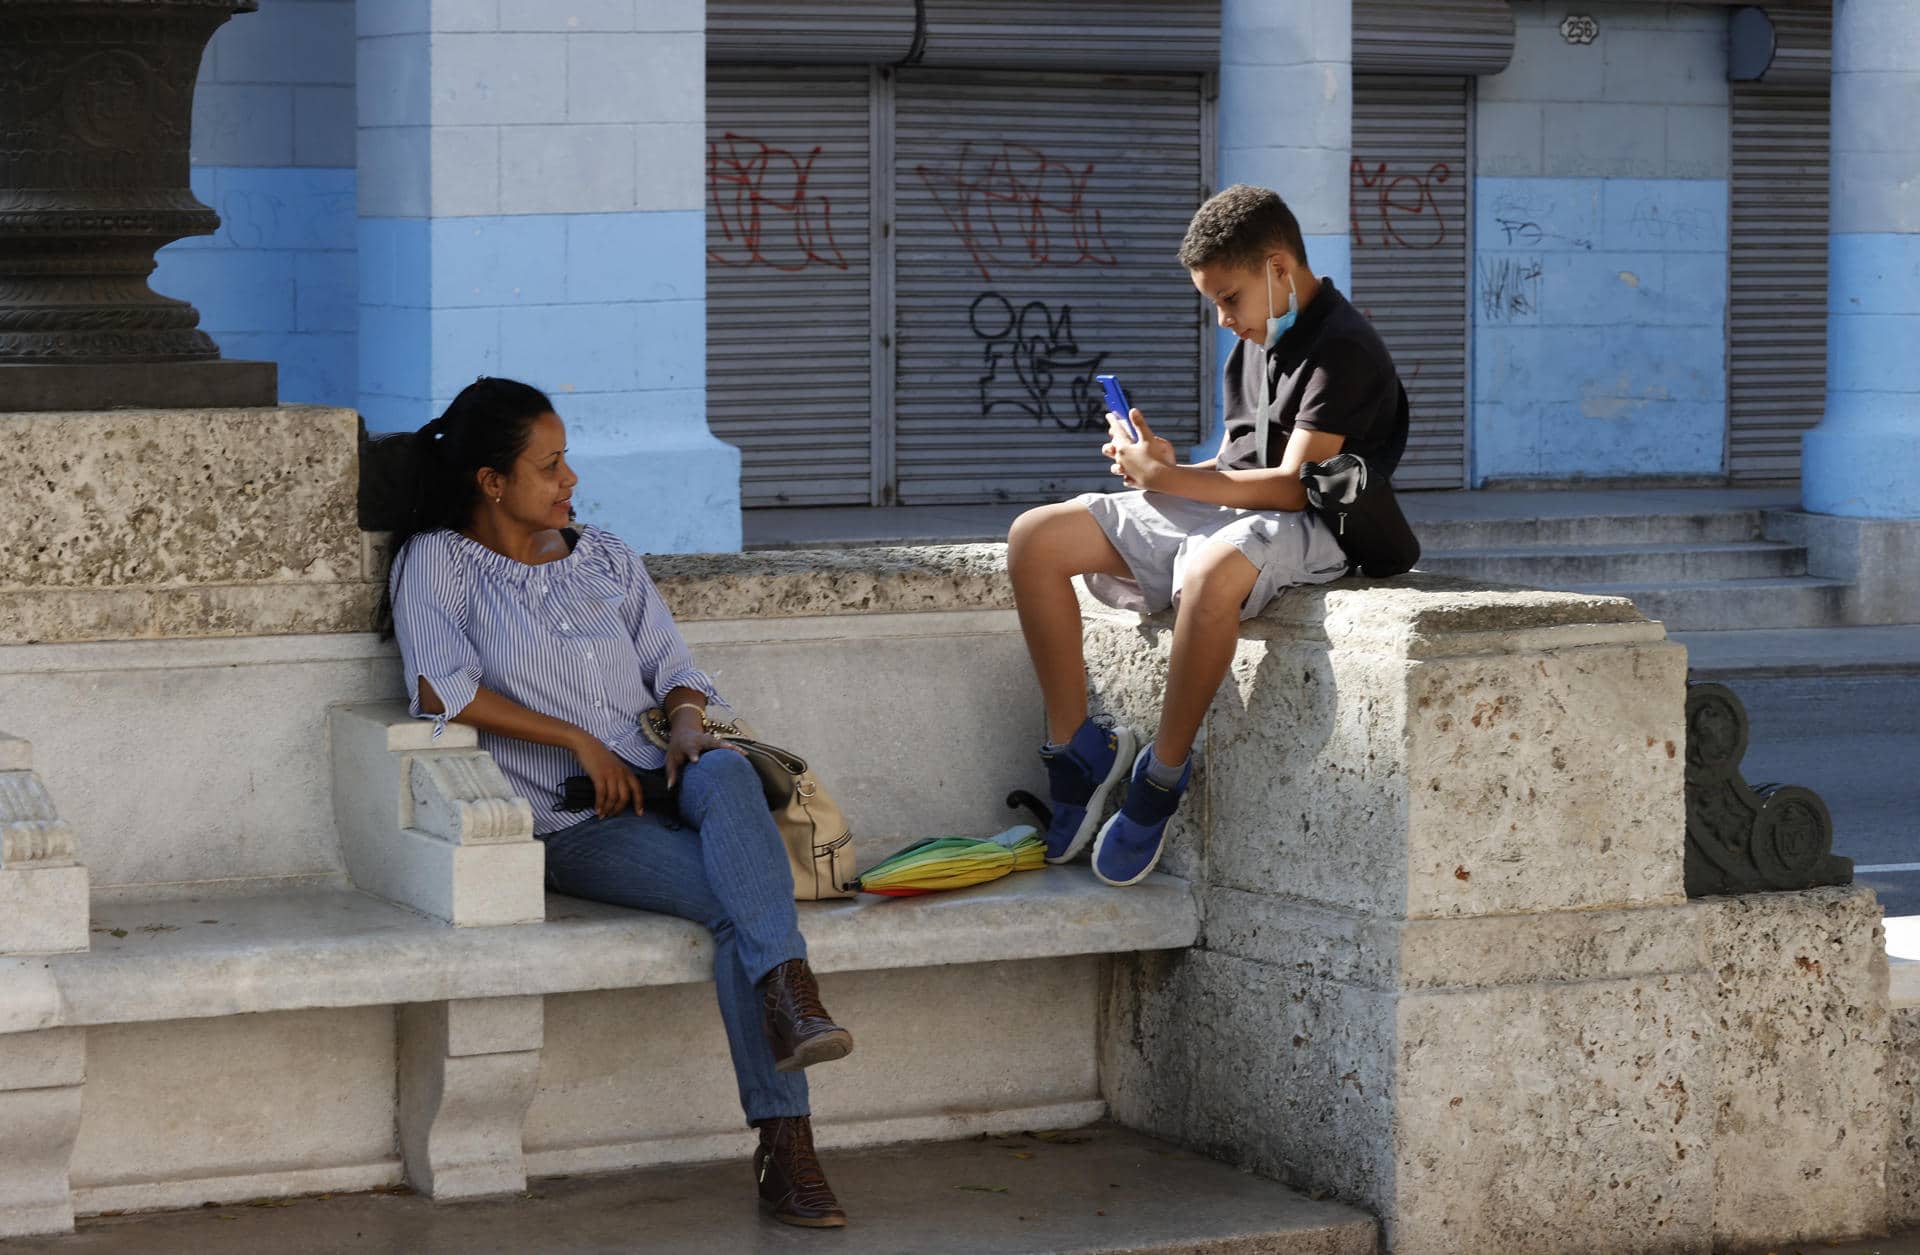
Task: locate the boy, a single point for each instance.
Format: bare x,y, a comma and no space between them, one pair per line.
1308,378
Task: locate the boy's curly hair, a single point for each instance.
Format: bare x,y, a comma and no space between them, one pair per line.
1239,227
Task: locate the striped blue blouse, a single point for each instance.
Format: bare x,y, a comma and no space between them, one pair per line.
586,639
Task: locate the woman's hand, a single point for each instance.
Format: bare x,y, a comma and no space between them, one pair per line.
615,787
1137,462
686,743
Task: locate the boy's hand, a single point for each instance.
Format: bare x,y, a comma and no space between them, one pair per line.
1137,462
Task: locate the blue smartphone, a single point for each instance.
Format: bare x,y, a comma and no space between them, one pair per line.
1117,402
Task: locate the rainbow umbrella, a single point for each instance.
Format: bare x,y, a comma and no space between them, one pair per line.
939,863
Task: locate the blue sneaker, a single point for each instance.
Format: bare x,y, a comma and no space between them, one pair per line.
1080,774
1130,842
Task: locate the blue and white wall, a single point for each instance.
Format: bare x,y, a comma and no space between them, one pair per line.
531,202
273,154
1600,267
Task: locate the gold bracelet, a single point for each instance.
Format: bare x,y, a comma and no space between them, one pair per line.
699,706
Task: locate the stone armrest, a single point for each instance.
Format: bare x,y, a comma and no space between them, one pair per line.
431,824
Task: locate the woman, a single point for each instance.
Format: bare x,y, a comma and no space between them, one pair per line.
552,641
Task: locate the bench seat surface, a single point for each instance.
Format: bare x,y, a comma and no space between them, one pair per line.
200,957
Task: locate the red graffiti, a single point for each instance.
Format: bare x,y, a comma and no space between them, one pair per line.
758,193
1017,207
1409,216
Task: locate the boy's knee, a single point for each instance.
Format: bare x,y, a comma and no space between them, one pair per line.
1218,579
1025,538
1021,534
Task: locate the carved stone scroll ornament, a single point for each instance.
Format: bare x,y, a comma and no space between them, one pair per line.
96,112
461,797
1743,838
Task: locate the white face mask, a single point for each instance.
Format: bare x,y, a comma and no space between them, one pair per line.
1277,325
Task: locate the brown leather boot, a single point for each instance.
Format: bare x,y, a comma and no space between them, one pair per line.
798,1027
793,1189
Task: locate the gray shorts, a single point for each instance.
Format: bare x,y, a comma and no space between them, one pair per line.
1158,535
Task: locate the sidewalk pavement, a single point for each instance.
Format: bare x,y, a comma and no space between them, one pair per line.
1089,1190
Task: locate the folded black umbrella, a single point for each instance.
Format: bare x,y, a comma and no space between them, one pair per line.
576,793
1364,514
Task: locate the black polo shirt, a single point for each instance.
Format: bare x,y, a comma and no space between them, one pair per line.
1330,372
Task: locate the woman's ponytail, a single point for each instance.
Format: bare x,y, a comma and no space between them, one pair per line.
486,427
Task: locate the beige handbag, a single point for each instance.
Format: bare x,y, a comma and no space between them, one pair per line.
819,844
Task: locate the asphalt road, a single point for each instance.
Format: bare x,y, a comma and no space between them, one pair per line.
1854,740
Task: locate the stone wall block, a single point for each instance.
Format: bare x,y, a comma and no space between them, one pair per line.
1546,780
133,524
41,1075
1903,1143
468,1072
1564,1116
1803,1056
1274,1069
1308,747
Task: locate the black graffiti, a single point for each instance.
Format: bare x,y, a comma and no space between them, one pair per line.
1509,287
1046,376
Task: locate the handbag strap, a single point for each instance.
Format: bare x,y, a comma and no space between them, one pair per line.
790,762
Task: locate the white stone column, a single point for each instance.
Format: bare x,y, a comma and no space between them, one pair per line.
468,1069
1863,460
40,1081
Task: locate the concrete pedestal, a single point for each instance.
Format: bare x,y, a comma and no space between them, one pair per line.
1448,971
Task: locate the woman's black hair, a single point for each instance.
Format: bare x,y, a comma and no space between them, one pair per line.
486,426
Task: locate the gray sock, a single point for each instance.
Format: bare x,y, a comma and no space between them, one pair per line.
1161,774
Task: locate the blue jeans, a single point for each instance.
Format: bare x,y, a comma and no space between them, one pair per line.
723,866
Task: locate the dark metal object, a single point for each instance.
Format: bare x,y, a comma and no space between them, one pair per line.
1741,838
96,112
1042,813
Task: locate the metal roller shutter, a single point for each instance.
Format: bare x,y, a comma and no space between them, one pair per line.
1431,36
1409,201
1037,217
1158,36
810,32
1777,267
789,331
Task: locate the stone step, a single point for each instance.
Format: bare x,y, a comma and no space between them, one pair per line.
1092,1191
1693,606
1560,566
1709,527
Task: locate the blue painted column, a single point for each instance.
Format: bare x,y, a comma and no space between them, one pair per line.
531,204
1286,122
1863,460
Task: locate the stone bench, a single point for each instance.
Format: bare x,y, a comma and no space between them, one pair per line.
1441,962
262,1004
